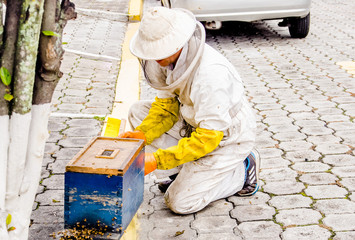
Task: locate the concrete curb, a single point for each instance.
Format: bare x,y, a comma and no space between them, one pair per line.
127,91
127,84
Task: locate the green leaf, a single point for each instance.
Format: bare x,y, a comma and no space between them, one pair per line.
11,229
5,76
50,33
8,219
64,43
8,97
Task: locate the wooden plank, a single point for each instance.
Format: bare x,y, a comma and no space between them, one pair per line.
86,161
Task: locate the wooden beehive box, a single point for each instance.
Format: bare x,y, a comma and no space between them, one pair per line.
104,184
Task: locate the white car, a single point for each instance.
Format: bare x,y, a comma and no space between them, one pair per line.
295,13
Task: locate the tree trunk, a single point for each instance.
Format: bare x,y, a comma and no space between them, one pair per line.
36,60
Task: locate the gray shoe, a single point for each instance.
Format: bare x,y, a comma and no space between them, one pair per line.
252,167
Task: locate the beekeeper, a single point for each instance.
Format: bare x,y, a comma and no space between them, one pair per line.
200,121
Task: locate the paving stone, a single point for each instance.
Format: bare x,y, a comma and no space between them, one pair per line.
48,214
310,166
290,136
54,137
51,148
56,124
269,153
300,216
349,183
172,232
221,236
51,198
257,199
335,206
318,178
348,171
290,202
292,108
246,213
295,146
347,136
310,123
334,118
262,230
304,115
283,128
340,160
265,142
58,166
277,120
305,233
81,131
278,174
324,139
332,148
272,113
301,156
344,235
54,182
159,203
171,219
84,122
213,224
266,163
70,108
328,111
325,191
269,106
316,131
74,142
44,230
283,187
66,153
216,208
340,222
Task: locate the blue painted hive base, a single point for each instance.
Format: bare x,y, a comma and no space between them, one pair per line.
109,195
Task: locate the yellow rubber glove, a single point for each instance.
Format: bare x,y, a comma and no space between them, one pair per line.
163,114
133,134
150,163
201,142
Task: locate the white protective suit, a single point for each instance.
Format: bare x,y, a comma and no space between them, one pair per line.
211,96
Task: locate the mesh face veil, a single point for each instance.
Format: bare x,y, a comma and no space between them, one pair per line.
160,78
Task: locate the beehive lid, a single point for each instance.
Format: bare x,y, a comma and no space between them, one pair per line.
105,155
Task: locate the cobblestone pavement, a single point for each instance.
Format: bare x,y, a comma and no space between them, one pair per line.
82,98
305,109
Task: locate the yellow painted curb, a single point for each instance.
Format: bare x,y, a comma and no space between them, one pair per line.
135,10
127,92
127,86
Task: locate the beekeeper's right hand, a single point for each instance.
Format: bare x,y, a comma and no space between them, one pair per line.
133,134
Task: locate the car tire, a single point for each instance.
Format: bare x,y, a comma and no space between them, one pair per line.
299,27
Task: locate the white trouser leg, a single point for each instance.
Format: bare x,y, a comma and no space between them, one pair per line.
217,175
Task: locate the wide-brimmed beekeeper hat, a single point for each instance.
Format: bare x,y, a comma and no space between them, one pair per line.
162,33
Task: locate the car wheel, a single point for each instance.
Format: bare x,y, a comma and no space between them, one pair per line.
299,27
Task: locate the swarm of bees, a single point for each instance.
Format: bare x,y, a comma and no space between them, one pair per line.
82,231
